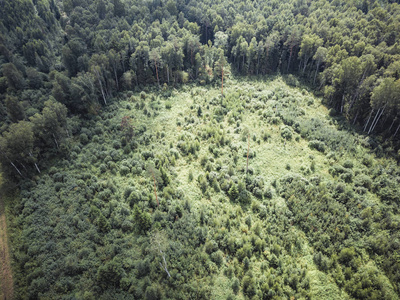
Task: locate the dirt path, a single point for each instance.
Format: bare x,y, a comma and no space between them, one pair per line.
6,278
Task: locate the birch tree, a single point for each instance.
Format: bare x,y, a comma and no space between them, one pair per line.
159,246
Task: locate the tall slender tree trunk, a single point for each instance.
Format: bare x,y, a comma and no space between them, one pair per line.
342,104
290,58
101,86
164,266
37,168
305,64
11,163
373,121
397,130
116,77
168,74
15,167
355,118
380,115
266,57
391,125
316,71
366,124
158,81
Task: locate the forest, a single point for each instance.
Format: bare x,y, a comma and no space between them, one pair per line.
181,149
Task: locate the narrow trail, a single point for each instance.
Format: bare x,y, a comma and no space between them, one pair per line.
6,278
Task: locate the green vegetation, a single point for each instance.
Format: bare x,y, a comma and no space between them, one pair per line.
326,226
143,164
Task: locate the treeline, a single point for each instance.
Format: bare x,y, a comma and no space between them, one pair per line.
83,53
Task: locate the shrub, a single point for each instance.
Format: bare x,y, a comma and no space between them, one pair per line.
103,168
116,145
203,161
367,161
215,185
127,226
58,186
363,181
203,183
348,164
211,246
58,177
217,257
347,176
190,176
236,285
83,138
317,145
233,192
124,171
286,133
134,198
153,292
244,197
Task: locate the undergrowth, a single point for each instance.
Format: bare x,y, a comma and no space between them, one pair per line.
165,206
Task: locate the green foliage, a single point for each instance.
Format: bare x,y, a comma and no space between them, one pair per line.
317,145
236,285
286,133
142,220
113,107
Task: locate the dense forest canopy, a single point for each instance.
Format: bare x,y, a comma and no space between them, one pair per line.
81,54
140,135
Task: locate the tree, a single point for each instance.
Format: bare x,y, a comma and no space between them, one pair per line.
368,67
348,78
14,109
292,41
62,89
159,245
50,125
99,67
101,9
14,77
142,220
119,8
269,45
193,46
308,47
115,63
221,40
319,57
155,58
83,93
70,54
387,93
18,147
222,68
140,60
